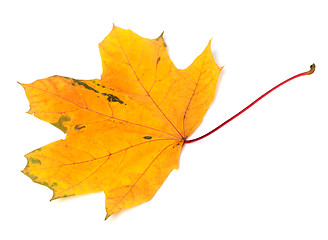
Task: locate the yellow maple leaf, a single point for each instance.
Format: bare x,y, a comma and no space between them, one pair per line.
126,130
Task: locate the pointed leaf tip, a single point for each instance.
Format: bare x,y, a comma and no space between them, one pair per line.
22,84
161,36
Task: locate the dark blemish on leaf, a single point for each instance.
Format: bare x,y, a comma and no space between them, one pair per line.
158,59
79,126
45,184
32,177
59,123
147,137
35,179
85,85
112,98
103,86
68,195
73,84
35,161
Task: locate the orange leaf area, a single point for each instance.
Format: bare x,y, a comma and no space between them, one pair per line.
124,131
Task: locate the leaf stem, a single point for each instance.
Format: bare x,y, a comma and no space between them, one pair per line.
312,68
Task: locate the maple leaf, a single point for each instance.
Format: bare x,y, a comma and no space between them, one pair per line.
125,131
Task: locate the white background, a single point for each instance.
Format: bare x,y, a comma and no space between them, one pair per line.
263,176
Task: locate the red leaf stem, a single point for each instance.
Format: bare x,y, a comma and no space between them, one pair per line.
312,68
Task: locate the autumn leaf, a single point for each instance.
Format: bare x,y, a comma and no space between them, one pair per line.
125,131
